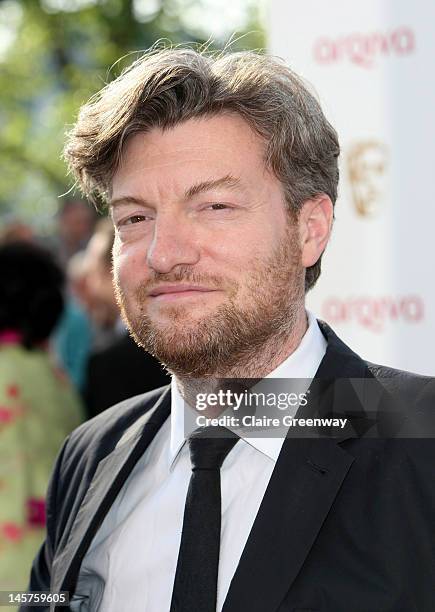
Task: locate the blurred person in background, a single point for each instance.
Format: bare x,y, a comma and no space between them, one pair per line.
98,289
38,406
75,224
14,230
74,334
118,368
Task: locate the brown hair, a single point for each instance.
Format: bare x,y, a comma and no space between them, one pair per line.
165,87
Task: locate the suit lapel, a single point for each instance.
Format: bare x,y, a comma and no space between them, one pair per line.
307,477
304,484
108,479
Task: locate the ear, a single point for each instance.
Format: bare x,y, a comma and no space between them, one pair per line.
315,224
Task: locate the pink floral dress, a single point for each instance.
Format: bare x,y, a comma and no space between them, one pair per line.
38,408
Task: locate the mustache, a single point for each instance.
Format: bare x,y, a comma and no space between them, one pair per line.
183,275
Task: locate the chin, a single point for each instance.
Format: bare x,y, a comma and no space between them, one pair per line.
181,327
184,315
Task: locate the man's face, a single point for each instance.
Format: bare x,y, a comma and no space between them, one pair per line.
206,257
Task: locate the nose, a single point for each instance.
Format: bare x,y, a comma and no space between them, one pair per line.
173,244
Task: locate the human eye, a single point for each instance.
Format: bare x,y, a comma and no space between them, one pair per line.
132,219
218,206
218,211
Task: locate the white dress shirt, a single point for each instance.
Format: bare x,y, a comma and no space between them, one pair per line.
134,555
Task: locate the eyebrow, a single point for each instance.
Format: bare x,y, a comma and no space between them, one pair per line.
228,181
127,200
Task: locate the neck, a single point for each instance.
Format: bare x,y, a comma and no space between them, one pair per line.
250,366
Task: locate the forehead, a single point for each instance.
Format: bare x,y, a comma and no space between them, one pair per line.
193,150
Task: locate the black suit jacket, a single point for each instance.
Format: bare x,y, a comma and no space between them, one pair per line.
346,524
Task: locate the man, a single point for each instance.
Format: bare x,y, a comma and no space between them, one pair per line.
221,176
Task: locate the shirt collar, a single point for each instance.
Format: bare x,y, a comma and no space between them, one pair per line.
302,363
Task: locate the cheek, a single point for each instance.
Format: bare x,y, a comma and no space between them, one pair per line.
229,260
222,250
129,265
235,247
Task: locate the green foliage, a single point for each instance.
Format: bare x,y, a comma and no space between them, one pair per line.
56,55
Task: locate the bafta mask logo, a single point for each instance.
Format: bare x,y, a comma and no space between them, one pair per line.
367,163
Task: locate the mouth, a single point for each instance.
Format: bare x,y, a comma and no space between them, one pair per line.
165,293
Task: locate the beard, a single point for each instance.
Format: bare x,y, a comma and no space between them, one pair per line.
226,341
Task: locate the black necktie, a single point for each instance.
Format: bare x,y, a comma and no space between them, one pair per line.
195,585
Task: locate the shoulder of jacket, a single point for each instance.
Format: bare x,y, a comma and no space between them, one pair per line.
408,385
100,435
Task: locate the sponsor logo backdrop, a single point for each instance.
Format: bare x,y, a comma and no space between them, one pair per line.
371,65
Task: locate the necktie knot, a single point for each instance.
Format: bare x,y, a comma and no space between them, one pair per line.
209,446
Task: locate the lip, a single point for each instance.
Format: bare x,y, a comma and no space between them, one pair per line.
167,292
